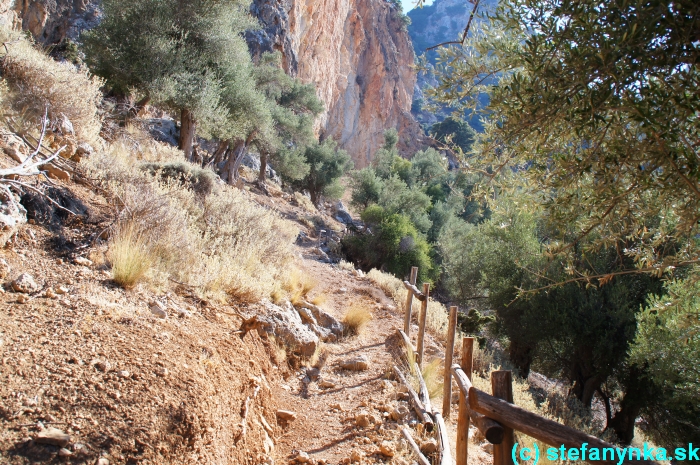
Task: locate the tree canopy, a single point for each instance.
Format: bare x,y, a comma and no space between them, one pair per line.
594,102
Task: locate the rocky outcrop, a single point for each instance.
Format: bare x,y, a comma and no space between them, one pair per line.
50,21
359,56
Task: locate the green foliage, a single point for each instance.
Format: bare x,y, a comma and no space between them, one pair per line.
593,98
191,57
473,323
667,346
393,245
326,164
366,187
456,132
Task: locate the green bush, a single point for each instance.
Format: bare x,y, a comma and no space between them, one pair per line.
392,244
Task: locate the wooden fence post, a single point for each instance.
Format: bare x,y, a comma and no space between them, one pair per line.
502,387
462,451
449,352
421,326
409,303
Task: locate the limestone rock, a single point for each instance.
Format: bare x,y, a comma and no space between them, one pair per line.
12,215
82,261
25,283
356,456
158,309
53,437
362,69
355,364
387,449
82,150
55,172
325,319
5,269
286,415
302,457
362,419
287,326
14,147
342,214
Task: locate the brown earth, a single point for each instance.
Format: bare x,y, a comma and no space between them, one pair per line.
89,358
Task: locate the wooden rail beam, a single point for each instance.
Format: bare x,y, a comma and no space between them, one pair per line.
490,429
545,430
414,447
418,406
462,446
449,352
421,327
445,450
502,387
409,300
412,289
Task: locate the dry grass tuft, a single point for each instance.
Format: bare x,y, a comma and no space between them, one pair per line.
433,376
319,299
37,82
346,266
436,321
130,256
298,286
356,319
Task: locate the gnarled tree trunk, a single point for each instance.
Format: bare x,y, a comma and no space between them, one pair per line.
188,129
262,174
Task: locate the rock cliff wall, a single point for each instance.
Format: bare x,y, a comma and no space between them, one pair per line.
50,21
360,57
357,52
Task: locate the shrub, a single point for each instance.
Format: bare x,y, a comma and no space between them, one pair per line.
224,245
356,319
394,245
202,181
130,256
38,82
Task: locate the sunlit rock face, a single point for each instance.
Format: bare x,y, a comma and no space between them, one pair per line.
50,21
360,58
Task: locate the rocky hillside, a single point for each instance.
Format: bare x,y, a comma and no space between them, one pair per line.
357,52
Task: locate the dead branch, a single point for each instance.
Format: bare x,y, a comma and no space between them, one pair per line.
246,409
464,34
414,447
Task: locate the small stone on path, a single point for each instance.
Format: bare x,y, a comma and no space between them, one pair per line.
53,437
355,364
286,415
25,283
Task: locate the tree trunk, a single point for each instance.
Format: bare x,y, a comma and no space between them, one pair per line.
584,390
262,174
639,392
188,128
236,159
521,356
232,163
220,153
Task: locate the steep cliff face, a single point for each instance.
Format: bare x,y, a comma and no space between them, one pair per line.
356,52
360,58
50,21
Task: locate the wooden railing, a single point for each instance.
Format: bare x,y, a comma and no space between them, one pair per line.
494,415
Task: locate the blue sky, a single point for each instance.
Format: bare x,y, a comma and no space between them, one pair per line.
409,4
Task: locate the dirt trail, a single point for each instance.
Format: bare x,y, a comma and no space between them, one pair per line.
321,429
